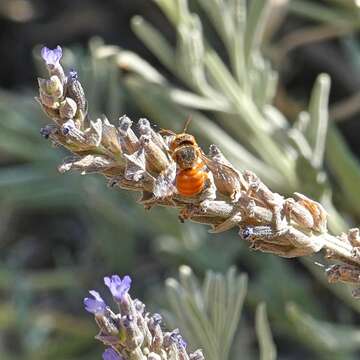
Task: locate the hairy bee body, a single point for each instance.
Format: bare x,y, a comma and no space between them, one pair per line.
193,167
191,181
191,173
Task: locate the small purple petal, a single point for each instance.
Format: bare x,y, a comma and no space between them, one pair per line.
117,286
111,354
95,305
51,57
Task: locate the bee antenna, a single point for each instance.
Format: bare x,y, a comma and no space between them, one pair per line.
187,123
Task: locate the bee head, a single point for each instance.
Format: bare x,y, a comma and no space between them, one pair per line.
182,140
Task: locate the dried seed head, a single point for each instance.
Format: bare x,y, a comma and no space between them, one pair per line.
226,225
67,109
108,340
134,337
54,87
43,85
48,100
136,354
317,211
106,324
144,126
344,273
88,164
128,140
353,237
156,160
110,137
197,355
228,181
260,191
51,113
146,129
93,133
70,130
153,356
75,90
135,165
298,213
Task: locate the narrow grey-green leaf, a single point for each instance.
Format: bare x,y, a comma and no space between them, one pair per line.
323,336
345,167
154,40
323,13
256,23
263,331
318,109
191,285
237,289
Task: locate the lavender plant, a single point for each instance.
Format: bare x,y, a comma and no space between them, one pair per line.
184,99
132,333
287,227
263,130
208,314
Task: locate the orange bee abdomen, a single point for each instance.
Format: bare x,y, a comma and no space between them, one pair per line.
191,181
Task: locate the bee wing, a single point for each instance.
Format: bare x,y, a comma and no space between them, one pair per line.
228,181
166,132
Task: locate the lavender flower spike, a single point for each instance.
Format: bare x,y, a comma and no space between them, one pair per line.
117,286
95,305
111,354
51,57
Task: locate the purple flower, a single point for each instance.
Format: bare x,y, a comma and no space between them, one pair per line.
111,354
51,57
178,339
117,286
95,305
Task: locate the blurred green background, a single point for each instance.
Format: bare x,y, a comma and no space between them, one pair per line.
60,234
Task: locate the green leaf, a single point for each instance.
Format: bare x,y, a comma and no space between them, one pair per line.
323,13
266,343
345,167
323,336
256,22
155,41
208,315
318,109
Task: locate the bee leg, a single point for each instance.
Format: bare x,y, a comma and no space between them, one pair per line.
186,212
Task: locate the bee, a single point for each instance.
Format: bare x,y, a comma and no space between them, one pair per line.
191,172
193,167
